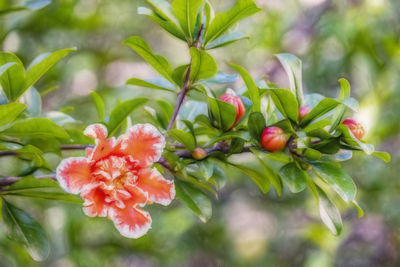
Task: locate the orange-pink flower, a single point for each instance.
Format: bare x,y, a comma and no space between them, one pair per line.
116,177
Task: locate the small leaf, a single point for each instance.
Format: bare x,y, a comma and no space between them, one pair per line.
382,155
159,63
121,112
22,227
336,178
195,200
203,65
350,139
339,111
186,13
98,101
153,84
285,101
252,88
329,213
294,177
36,128
184,138
293,68
323,107
270,173
223,21
167,25
223,113
256,125
9,112
226,40
12,75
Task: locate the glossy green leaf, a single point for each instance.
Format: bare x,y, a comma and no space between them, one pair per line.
344,94
349,138
35,128
186,13
163,8
159,63
121,112
269,172
329,213
225,20
223,113
382,155
337,179
12,75
293,68
195,200
185,138
256,125
294,177
98,101
285,101
167,25
226,40
153,84
218,177
9,112
22,227
252,88
203,65
323,107
33,102
227,136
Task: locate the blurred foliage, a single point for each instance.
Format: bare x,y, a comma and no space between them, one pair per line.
356,39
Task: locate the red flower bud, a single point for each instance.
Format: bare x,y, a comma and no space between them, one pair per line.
199,154
273,139
303,111
235,100
356,128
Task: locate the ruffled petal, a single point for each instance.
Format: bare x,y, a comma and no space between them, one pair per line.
144,143
104,147
158,189
73,174
131,221
95,204
138,196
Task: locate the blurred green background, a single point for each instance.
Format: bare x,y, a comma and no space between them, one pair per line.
355,39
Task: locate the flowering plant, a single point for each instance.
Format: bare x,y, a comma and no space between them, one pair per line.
297,140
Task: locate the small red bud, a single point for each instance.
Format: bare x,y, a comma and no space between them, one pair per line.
235,100
303,111
356,128
199,154
273,139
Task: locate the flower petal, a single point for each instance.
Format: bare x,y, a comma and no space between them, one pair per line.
138,196
95,204
131,221
104,146
159,189
73,174
144,143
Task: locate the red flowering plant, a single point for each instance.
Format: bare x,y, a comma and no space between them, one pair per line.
297,140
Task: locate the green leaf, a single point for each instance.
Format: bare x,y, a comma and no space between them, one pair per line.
226,40
323,107
339,111
98,101
195,200
227,136
159,63
350,139
285,102
12,75
153,84
163,8
30,4
203,65
186,13
40,66
270,173
36,128
121,112
258,177
9,112
22,227
382,155
167,25
222,77
360,211
223,21
329,213
218,177
252,88
44,188
336,178
293,68
294,177
256,125
184,138
223,113
33,102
